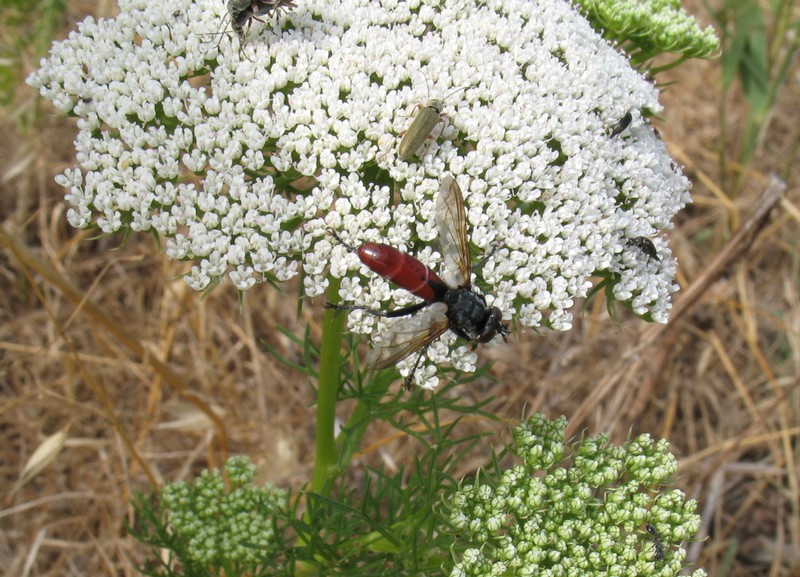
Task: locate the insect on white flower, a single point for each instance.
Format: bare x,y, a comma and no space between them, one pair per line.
449,301
242,170
645,245
428,117
620,126
243,12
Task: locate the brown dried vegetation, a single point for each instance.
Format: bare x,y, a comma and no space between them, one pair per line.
111,348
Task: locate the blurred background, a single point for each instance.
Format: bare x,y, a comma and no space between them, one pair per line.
100,344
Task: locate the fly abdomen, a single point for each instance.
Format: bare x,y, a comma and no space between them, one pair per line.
403,270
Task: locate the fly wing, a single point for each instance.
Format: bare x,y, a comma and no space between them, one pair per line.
451,221
409,335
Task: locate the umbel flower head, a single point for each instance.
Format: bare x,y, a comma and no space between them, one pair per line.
590,509
210,525
242,157
648,28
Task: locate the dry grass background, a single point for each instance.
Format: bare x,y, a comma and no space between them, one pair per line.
98,343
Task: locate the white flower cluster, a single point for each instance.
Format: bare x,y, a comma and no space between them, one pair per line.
243,157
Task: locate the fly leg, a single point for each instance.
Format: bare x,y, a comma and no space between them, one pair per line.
407,381
487,256
257,11
404,312
339,239
219,32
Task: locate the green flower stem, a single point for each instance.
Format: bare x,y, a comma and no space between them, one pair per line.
330,361
677,62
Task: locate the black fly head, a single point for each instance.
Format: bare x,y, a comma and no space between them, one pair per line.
494,326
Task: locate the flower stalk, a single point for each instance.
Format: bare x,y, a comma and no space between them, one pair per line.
330,362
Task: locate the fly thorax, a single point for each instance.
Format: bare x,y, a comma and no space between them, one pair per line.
467,313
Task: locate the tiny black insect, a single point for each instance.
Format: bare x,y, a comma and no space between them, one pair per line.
175,15
645,245
658,544
623,123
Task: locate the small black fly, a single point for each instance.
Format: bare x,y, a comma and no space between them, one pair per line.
645,245
620,126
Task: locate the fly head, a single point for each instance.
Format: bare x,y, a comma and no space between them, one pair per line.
493,326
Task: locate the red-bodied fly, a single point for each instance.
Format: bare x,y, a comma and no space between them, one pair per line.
448,302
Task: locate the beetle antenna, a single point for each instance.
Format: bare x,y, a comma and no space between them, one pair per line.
427,85
428,89
453,92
